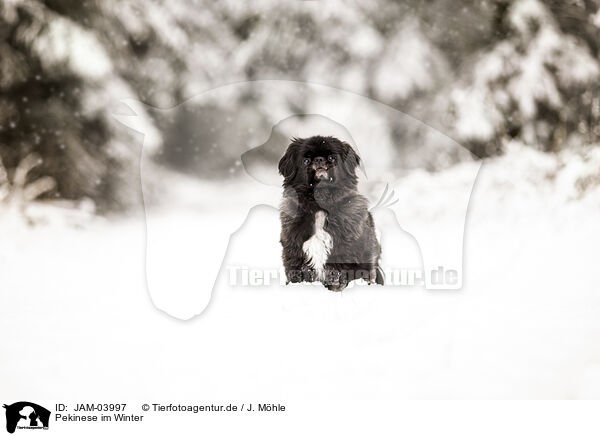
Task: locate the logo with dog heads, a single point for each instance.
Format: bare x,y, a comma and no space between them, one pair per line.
26,415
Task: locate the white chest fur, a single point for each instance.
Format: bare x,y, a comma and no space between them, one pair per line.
318,246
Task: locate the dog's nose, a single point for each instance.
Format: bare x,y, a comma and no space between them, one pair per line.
319,161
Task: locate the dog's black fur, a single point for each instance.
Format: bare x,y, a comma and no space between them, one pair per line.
320,175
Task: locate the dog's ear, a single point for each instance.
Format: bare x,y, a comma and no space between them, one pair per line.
351,159
288,164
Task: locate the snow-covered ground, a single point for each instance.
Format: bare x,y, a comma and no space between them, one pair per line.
79,324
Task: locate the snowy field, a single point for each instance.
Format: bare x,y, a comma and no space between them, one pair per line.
196,102
80,324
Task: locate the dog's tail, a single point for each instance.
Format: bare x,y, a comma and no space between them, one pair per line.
388,198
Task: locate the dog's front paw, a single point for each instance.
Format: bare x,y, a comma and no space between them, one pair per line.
294,276
331,277
303,274
337,287
334,280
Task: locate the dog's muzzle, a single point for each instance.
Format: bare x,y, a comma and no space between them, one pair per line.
321,174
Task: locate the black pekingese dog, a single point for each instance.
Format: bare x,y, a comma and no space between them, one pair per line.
327,231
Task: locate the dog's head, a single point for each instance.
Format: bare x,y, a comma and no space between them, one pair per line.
319,162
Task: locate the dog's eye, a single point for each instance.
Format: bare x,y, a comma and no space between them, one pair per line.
306,161
331,158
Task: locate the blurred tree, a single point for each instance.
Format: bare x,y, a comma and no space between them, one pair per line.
483,72
44,87
538,83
